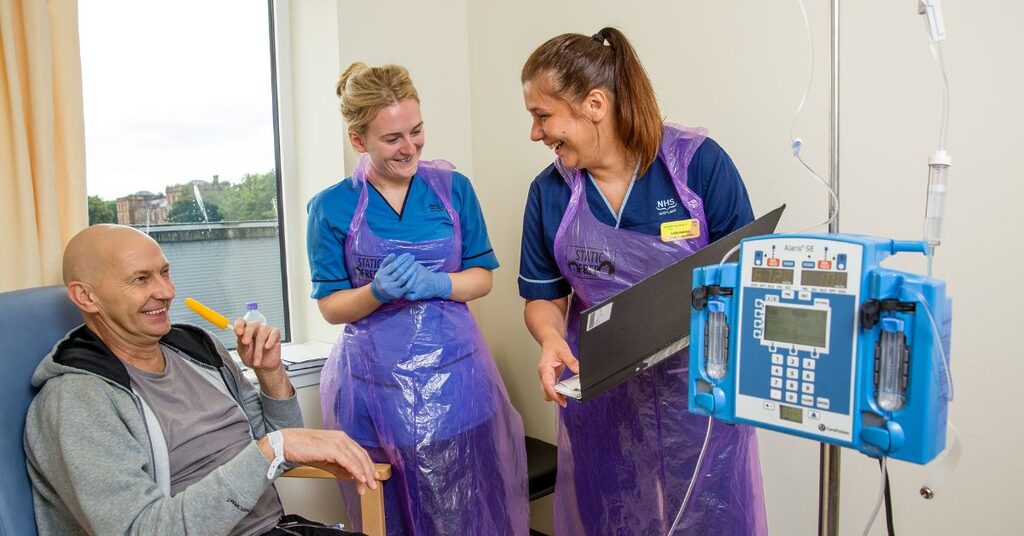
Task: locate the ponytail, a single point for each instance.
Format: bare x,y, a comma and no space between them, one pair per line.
639,119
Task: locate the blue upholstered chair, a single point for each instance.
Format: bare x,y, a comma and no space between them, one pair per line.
31,322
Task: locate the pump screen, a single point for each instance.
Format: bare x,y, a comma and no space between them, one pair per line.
791,414
776,276
814,278
795,325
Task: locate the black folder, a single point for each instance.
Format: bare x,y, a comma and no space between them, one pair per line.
649,321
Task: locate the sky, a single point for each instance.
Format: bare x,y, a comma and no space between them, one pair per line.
174,92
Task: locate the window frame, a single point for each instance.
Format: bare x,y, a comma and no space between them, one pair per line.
286,329
275,19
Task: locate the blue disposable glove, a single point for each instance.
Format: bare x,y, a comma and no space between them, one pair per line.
393,276
426,284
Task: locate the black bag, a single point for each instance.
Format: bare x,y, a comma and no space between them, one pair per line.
296,525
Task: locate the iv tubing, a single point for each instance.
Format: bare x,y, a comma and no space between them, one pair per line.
796,143
938,339
936,49
881,494
727,255
693,479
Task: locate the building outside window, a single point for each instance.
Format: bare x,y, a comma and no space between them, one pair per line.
181,143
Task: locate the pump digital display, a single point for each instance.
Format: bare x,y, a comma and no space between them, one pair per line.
791,414
777,276
796,325
815,278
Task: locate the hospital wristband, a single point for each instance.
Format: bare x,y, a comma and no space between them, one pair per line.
276,440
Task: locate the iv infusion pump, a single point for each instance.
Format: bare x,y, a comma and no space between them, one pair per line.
809,335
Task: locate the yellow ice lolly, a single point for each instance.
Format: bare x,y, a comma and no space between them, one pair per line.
214,317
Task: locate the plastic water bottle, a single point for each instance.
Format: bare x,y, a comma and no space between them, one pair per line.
253,314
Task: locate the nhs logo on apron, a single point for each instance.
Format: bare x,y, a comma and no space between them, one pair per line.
591,263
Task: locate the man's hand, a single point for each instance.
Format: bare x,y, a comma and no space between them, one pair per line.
259,345
330,450
555,355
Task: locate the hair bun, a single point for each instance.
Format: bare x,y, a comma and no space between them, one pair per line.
355,69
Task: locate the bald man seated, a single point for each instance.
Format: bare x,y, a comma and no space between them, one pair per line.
146,427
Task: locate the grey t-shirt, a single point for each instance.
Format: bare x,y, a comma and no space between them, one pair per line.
204,428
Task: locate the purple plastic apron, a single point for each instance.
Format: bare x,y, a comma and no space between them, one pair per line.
625,458
415,384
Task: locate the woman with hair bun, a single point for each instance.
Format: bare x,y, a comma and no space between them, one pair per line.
395,251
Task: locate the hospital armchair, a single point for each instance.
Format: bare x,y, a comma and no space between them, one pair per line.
31,322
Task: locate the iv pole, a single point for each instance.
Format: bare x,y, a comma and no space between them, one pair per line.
829,464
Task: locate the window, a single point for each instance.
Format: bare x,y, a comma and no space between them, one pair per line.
181,143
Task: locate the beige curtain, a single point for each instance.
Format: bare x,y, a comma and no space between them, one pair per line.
42,139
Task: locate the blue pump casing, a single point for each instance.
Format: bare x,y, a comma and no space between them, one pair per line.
804,315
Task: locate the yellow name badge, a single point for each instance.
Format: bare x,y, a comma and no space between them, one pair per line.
673,231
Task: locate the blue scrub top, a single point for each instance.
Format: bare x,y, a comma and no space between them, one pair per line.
651,201
421,218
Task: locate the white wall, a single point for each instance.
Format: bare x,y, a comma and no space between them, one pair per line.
311,140
739,69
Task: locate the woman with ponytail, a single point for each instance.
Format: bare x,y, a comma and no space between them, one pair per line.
593,227
395,252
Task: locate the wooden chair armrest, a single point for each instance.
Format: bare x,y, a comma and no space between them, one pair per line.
383,472
371,505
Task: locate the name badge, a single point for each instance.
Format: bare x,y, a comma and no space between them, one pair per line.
674,231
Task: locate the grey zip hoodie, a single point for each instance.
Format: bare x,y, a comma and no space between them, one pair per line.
98,460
